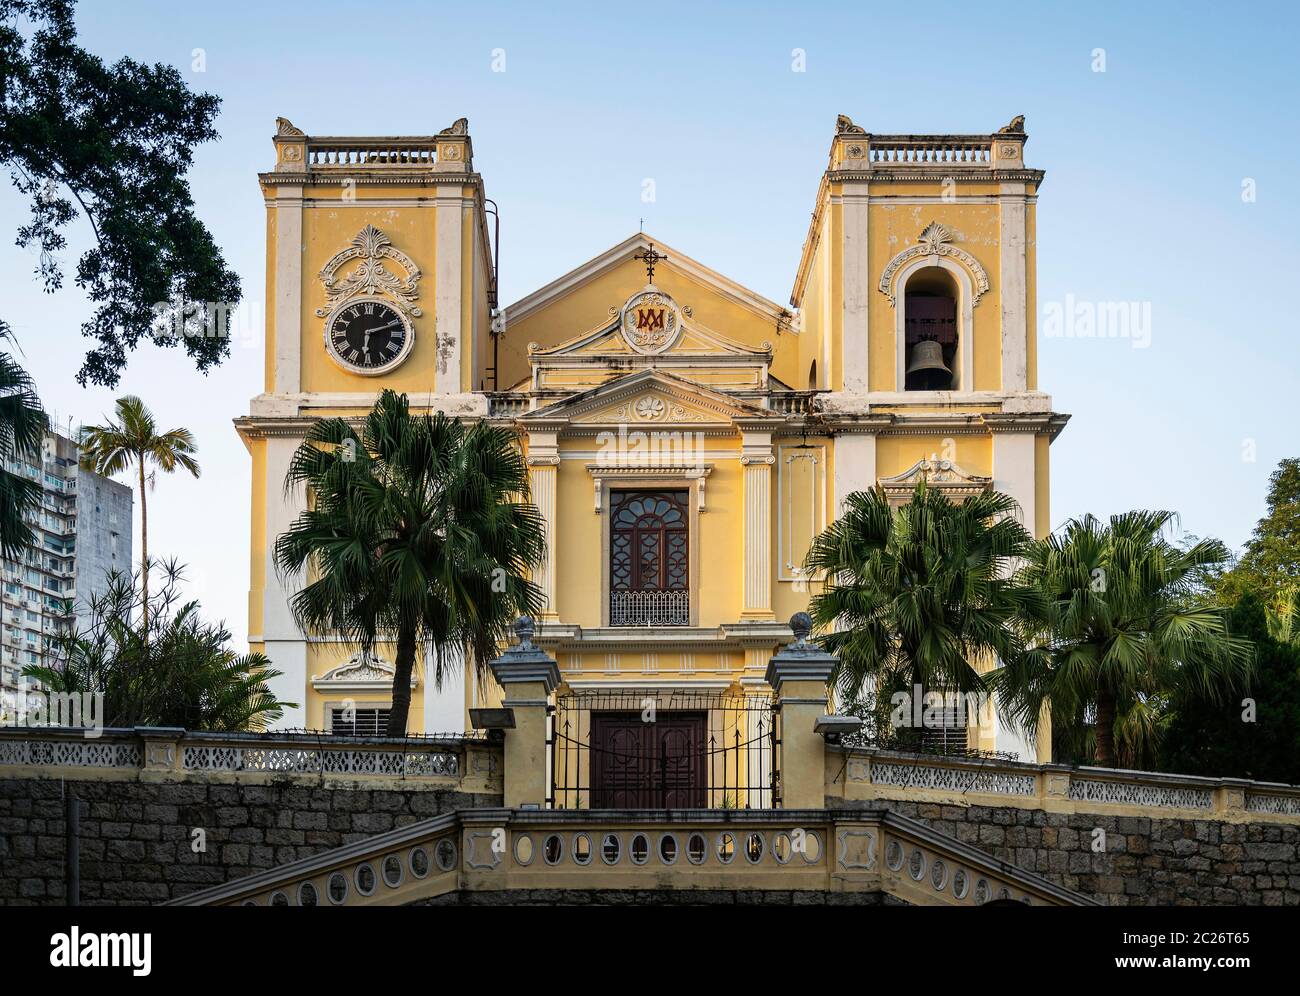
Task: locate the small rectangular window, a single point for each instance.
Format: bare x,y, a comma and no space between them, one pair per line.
359,722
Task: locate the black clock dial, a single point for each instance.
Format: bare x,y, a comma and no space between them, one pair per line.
368,335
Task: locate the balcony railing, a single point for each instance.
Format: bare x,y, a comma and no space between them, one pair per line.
649,608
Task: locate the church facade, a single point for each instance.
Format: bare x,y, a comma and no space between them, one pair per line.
686,437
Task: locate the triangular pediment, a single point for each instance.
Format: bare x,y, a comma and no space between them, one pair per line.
625,253
651,397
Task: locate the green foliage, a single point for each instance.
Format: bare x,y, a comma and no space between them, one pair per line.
419,532
177,670
916,594
22,426
134,441
113,144
1125,628
1206,737
1269,567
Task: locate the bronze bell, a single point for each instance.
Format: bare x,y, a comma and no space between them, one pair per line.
927,371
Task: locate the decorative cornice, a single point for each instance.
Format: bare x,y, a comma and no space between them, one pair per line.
930,172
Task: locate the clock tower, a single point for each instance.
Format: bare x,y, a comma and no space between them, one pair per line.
379,275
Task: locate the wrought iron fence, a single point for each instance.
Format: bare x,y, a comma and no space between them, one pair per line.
649,608
651,749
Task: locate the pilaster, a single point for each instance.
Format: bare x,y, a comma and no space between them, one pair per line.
543,468
757,459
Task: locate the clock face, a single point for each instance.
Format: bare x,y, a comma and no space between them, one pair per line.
368,337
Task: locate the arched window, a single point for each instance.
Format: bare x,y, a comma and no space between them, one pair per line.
649,558
812,376
931,338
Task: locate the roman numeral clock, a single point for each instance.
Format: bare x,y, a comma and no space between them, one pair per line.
368,327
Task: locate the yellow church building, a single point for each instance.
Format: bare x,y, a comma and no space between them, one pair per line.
686,436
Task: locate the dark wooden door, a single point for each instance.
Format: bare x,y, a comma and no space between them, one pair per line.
658,765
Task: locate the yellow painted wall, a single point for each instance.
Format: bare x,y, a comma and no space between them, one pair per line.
896,454
586,307
892,228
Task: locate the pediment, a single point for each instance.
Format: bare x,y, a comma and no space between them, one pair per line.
939,474
360,671
651,398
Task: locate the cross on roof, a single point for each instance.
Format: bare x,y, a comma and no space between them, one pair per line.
650,258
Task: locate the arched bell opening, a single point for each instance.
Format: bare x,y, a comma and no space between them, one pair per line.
930,331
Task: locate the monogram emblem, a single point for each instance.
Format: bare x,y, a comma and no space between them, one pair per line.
650,321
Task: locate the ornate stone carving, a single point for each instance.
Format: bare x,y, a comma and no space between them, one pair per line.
1015,127
284,128
935,240
371,247
942,475
650,407
650,321
844,126
458,127
360,669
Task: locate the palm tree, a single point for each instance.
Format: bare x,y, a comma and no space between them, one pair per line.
916,594
22,426
1128,622
134,439
419,531
182,672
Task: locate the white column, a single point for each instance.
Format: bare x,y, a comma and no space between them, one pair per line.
284,641
1012,268
287,303
757,459
1014,474
447,297
856,280
855,466
1014,466
444,708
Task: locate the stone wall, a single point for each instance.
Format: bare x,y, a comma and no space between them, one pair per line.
1146,861
137,836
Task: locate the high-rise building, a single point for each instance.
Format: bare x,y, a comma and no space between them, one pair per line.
81,532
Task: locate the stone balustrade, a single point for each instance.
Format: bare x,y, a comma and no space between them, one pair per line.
866,775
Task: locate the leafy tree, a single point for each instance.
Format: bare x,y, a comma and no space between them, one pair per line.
134,440
1269,566
176,670
112,144
1123,630
22,426
915,595
419,531
1224,738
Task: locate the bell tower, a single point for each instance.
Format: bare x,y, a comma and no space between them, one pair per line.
915,297
379,275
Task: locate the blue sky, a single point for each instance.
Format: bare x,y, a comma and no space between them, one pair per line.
1143,200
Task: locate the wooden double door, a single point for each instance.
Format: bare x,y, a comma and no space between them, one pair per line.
661,764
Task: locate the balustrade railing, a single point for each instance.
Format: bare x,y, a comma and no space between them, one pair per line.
649,608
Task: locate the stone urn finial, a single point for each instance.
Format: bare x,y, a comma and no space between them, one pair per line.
801,623
525,628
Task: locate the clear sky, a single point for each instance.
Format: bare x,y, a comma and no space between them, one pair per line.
1146,167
